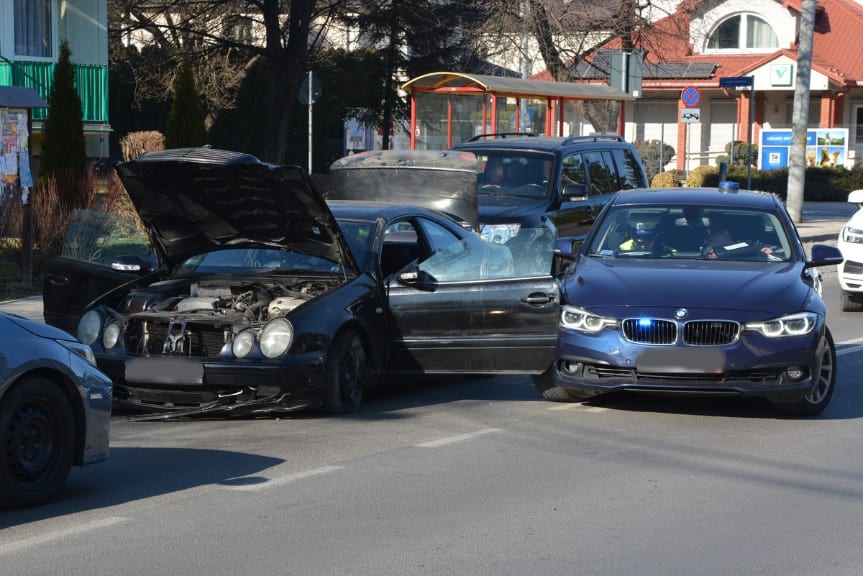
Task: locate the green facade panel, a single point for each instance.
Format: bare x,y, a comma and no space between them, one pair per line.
91,82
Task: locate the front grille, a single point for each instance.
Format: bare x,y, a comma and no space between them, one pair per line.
710,332
650,331
203,340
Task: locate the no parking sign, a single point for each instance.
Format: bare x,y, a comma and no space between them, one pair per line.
691,97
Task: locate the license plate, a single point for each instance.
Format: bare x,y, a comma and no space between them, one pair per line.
164,370
682,361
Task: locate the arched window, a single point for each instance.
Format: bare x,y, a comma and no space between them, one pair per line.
743,32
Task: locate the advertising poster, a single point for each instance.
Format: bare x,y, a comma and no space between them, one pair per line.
825,148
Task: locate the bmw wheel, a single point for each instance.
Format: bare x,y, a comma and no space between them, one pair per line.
37,432
824,382
347,373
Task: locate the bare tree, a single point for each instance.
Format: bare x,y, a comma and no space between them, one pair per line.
565,32
223,40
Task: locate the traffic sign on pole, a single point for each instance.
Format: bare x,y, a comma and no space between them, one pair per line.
691,96
735,81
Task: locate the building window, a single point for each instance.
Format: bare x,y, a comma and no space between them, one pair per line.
743,31
33,28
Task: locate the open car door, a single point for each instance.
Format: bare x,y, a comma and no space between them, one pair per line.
477,307
102,251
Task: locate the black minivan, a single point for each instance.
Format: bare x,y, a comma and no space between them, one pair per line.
523,179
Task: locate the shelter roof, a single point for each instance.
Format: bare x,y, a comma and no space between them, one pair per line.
456,82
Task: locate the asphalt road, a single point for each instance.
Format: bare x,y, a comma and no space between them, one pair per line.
473,477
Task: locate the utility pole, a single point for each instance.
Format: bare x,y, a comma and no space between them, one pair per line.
800,114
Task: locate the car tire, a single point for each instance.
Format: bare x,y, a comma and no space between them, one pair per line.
822,390
347,373
37,431
852,302
544,384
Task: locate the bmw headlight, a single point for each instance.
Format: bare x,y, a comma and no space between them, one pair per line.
498,233
583,321
243,344
89,327
852,235
276,338
791,325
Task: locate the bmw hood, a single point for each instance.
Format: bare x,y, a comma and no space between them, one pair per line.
194,200
742,286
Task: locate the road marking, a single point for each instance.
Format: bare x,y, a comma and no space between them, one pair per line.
282,480
457,438
59,534
849,350
853,341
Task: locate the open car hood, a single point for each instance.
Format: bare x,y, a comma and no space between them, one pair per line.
442,180
194,200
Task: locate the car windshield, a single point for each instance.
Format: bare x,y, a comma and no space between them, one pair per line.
511,173
691,232
254,260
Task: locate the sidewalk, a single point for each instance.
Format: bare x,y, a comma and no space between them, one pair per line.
822,222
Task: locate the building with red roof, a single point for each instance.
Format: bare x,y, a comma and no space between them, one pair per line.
685,102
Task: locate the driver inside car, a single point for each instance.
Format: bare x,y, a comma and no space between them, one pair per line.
644,238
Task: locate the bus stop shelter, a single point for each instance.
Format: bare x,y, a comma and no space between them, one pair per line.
482,95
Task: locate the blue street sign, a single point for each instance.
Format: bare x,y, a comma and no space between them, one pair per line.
735,81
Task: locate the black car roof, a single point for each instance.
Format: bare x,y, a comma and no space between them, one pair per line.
704,196
543,143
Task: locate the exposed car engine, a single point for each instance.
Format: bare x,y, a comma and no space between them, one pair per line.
202,320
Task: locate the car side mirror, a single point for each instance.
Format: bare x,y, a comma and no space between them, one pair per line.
574,192
131,263
824,255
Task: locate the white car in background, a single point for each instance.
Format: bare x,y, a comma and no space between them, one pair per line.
851,269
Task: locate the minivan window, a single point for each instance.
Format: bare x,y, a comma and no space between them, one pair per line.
600,170
573,170
630,170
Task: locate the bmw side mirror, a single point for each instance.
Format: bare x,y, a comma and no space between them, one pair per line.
824,255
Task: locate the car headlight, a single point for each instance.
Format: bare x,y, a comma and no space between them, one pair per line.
243,343
583,321
89,327
79,349
852,235
791,325
276,338
498,233
111,335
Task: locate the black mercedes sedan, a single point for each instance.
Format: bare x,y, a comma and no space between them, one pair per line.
264,297
695,291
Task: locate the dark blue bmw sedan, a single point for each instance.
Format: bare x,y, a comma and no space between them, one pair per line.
697,291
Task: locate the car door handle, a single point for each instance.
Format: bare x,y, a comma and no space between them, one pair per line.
56,280
538,299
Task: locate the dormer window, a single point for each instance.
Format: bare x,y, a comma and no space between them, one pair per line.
743,32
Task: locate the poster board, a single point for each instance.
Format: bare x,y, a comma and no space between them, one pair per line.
825,147
14,148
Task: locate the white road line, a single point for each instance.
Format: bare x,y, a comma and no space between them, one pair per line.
281,480
853,341
53,535
849,350
457,438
